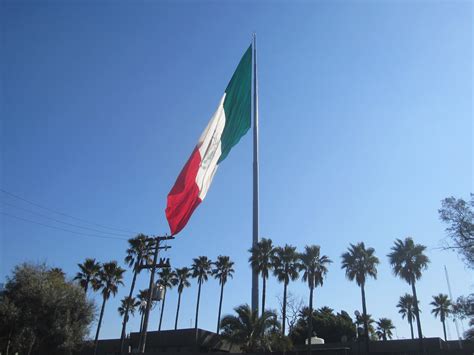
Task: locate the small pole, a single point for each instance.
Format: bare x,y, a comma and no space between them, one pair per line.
150,297
153,267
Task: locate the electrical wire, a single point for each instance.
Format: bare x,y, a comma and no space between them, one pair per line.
61,229
65,214
59,221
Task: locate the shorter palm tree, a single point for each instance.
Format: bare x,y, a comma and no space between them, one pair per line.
406,308
247,329
88,274
285,268
442,308
138,252
142,298
223,271
408,261
109,279
362,319
128,303
314,267
384,328
360,263
182,274
261,262
168,279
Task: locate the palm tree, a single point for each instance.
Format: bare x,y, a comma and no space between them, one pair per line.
261,262
407,309
408,261
201,270
442,308
142,298
168,279
137,252
384,328
88,274
314,267
182,274
109,279
223,270
285,268
247,329
362,319
130,304
360,262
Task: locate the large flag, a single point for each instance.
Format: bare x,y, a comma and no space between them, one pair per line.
228,124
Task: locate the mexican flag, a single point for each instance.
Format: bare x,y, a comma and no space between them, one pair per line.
229,123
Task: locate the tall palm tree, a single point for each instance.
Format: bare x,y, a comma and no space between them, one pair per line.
109,279
168,279
361,262
222,271
384,328
408,262
442,308
314,267
88,274
407,309
182,274
247,329
261,262
137,252
285,268
201,269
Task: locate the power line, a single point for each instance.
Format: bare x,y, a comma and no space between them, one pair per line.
59,221
65,214
61,229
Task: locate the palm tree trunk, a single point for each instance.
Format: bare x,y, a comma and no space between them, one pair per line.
96,341
310,318
444,330
284,309
411,328
7,351
87,285
220,308
417,315
264,289
364,312
177,311
417,310
197,315
127,307
197,307
141,322
162,310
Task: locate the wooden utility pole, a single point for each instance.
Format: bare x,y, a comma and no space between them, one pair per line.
163,263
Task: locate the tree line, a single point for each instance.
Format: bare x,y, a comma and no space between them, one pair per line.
37,287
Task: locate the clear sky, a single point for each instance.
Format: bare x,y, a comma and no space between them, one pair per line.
365,121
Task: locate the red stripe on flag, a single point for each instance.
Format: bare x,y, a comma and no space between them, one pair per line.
184,196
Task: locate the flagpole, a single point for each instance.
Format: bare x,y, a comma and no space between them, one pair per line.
255,171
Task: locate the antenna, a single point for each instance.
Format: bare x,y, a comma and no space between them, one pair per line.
451,297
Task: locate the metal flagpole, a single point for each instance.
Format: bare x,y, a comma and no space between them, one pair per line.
255,171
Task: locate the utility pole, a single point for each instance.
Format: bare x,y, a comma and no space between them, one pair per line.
155,242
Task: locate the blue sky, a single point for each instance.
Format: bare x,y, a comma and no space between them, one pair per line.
365,125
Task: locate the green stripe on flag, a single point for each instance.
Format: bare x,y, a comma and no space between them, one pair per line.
237,105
